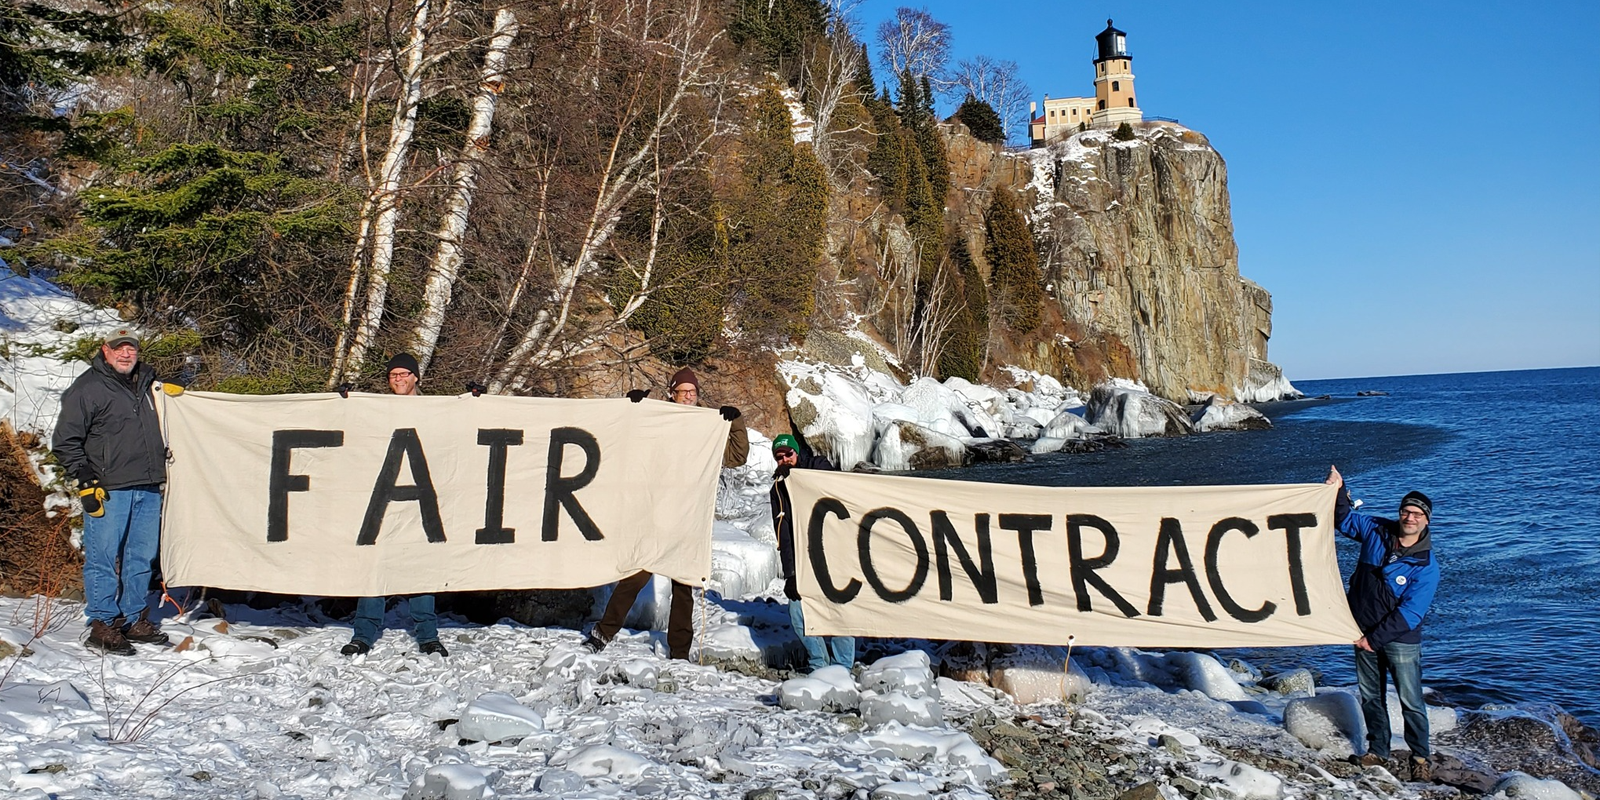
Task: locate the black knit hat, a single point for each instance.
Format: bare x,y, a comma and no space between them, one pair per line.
404,361
1419,501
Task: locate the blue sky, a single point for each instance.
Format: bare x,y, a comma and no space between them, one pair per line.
1417,183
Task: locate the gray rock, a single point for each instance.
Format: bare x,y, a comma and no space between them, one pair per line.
559,781
1293,683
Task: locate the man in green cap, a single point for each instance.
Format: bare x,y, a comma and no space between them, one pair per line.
820,650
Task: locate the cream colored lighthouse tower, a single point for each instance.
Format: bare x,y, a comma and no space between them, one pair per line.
1115,102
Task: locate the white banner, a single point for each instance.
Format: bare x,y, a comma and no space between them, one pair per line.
379,495
1203,566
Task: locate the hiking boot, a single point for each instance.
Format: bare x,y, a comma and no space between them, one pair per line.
145,632
593,643
434,647
107,639
1421,770
356,647
1370,760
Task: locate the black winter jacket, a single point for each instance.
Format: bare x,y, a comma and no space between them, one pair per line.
108,429
783,511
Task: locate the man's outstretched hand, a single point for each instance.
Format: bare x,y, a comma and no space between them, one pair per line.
1334,478
638,394
729,413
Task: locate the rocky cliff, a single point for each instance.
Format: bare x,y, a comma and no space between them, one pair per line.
1136,244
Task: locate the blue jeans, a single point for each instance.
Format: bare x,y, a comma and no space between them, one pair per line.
1404,662
129,532
817,647
369,618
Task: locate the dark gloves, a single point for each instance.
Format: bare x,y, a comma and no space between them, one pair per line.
93,498
476,388
344,389
636,395
791,588
729,413
782,471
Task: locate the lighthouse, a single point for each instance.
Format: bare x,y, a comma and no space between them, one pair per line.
1115,102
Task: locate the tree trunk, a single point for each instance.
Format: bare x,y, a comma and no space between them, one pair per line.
446,263
385,196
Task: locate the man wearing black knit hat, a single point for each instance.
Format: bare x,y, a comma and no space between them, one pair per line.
1390,591
368,624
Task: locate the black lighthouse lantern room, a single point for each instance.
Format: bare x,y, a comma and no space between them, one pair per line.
1112,44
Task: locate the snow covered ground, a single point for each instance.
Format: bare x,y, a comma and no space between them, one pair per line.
263,706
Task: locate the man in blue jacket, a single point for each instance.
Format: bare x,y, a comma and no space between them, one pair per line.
1390,592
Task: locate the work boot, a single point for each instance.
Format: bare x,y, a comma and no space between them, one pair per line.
356,647
107,639
594,643
1421,770
145,632
432,648
1370,760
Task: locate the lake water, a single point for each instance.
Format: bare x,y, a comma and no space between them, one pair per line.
1512,463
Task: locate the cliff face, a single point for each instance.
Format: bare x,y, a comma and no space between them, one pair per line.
1136,245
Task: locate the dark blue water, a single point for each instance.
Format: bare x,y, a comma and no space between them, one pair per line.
1512,463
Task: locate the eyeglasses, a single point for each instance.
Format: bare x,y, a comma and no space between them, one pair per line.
1412,513
685,392
783,452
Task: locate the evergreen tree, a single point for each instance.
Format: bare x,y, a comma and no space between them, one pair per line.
981,119
865,83
221,216
927,99
780,223
776,31
887,161
1124,133
935,158
1013,264
961,348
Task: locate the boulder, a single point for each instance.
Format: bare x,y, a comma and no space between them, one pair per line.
1329,722
1221,414
1132,413
496,717
907,445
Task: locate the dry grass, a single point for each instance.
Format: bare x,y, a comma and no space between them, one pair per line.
36,552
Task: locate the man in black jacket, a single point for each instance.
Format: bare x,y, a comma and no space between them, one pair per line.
820,650
109,439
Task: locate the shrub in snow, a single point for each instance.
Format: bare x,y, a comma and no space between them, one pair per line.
1132,413
1329,722
450,782
496,717
1219,414
1242,780
1521,786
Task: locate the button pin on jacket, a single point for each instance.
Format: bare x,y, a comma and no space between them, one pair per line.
1400,579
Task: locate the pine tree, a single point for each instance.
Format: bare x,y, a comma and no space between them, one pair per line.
1013,264
981,119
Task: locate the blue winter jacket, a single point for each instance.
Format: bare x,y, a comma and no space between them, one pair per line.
1389,593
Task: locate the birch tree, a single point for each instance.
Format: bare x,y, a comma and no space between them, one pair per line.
373,256
914,41
447,259
654,100
998,83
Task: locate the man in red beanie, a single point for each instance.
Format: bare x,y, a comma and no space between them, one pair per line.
680,621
